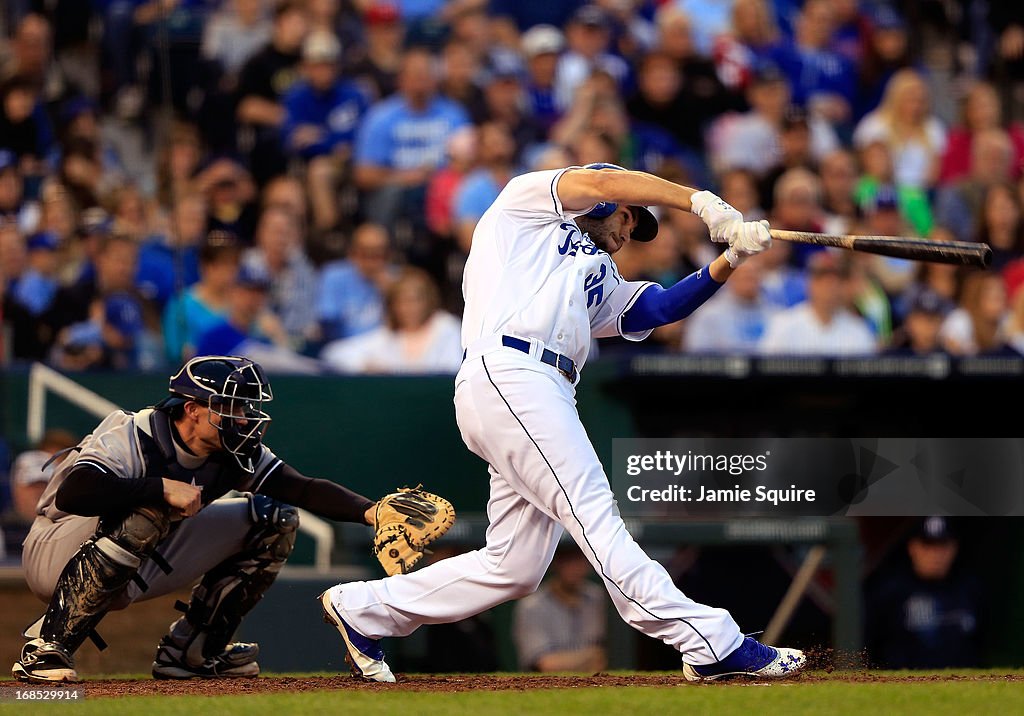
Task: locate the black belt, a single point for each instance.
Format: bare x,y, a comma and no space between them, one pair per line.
563,363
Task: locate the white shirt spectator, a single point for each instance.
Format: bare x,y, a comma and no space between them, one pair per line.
726,325
797,331
912,160
383,350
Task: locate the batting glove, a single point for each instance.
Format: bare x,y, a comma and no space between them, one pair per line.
747,239
722,219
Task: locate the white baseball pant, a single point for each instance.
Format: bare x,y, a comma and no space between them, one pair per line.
520,416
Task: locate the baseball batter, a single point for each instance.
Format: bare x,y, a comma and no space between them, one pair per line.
131,514
540,284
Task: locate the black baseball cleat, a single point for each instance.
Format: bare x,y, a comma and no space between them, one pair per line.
238,660
44,662
365,656
752,660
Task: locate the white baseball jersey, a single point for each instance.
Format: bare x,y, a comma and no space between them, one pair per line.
532,273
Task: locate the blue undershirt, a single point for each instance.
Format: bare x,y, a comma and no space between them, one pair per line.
658,306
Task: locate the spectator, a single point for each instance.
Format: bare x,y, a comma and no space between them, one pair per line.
279,255
418,337
322,113
230,195
981,111
504,102
36,288
733,321
739,189
402,142
751,140
798,208
563,625
886,51
13,206
883,218
24,125
482,186
31,334
263,82
374,65
250,329
30,473
795,152
941,279
460,71
541,46
177,163
198,308
588,36
876,165
822,325
234,34
105,322
838,171
867,297
959,206
1001,226
822,80
926,614
463,146
747,44
976,326
919,335
916,139
169,261
351,296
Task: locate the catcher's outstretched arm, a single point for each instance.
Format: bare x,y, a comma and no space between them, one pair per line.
321,497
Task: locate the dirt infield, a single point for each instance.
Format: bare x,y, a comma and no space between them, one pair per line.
449,684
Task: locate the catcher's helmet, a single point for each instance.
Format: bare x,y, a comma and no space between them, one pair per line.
646,225
234,389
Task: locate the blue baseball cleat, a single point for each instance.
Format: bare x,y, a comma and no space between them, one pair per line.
365,656
751,659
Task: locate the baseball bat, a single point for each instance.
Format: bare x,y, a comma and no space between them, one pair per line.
965,253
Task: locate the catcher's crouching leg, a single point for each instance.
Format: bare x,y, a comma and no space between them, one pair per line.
94,577
198,643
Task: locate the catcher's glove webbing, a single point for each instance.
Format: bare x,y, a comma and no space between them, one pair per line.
408,521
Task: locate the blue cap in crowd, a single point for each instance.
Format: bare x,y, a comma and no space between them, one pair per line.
123,313
44,240
885,17
929,302
935,529
885,199
253,277
7,160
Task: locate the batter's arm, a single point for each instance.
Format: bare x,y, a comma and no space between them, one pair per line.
658,306
579,189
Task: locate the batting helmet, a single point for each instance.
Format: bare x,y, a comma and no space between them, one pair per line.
234,389
646,225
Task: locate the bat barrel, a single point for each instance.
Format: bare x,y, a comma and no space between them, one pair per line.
964,253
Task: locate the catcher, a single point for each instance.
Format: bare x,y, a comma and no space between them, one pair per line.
133,513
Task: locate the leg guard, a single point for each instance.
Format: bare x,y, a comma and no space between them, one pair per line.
231,589
99,573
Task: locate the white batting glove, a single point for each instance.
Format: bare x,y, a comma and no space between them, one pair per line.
722,219
749,238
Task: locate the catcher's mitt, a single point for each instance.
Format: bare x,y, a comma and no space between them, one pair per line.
408,521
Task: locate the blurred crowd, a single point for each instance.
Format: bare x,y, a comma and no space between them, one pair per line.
299,180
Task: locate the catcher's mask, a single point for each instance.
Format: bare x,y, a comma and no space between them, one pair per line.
234,389
646,225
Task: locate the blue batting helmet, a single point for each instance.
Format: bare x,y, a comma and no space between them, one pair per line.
646,225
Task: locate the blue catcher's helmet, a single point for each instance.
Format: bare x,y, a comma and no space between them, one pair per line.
646,225
234,389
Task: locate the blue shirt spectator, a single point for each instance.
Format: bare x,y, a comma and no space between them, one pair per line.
351,299
397,136
322,111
